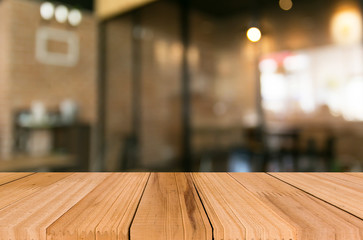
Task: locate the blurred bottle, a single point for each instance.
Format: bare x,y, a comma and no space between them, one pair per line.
68,110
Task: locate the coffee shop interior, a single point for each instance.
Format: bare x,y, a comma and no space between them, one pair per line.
181,85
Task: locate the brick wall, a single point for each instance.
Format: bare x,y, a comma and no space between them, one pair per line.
118,88
29,80
161,84
5,120
223,78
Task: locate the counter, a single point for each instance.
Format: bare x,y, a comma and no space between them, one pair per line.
181,206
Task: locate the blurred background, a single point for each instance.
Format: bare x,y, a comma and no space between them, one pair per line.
181,85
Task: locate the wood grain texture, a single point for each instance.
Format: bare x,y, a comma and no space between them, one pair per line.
23,187
29,218
313,219
105,213
355,174
236,213
344,191
9,177
220,206
170,209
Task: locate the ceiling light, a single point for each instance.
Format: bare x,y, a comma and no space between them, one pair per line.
46,10
254,34
285,4
75,17
346,26
61,14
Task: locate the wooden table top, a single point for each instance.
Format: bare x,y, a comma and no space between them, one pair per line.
218,206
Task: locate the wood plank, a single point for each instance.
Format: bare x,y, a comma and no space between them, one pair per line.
355,174
170,209
123,218
9,177
236,213
313,218
29,218
342,190
17,190
106,212
167,206
195,221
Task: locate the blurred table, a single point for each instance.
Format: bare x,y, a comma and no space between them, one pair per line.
320,206
43,163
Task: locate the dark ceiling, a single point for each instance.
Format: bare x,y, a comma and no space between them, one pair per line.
217,8
81,4
230,7
213,7
222,8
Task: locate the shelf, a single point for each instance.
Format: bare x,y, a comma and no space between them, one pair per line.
27,163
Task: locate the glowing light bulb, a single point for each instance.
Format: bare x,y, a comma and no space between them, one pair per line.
285,4
61,14
75,17
254,34
46,10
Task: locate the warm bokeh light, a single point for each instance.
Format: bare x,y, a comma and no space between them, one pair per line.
346,25
352,100
75,17
61,14
268,65
47,10
285,4
254,34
